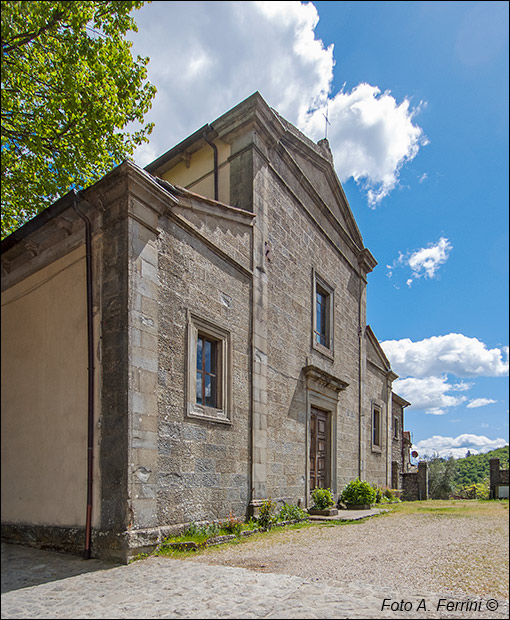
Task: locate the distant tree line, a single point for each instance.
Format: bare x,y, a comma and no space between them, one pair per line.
467,477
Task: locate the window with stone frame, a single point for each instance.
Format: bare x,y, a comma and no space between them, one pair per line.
209,370
376,427
323,319
396,427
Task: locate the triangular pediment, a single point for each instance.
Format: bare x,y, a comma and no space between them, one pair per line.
321,176
315,163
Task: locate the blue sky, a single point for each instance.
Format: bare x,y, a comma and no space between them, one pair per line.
417,96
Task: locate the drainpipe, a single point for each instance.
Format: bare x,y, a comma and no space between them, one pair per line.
360,379
215,149
90,346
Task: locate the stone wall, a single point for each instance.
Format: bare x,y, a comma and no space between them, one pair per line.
498,478
415,484
203,465
376,456
396,441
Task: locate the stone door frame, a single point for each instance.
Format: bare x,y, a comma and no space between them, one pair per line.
322,393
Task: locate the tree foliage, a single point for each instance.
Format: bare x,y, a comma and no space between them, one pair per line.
441,477
69,89
474,469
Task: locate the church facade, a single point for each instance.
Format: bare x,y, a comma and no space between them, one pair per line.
185,341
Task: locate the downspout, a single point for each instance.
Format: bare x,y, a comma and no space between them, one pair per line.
360,378
215,149
90,347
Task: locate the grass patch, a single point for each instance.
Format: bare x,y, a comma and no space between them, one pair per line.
452,507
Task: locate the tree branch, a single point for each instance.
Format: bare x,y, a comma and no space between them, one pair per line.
30,36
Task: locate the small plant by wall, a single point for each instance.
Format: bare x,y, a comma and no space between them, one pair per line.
322,499
291,512
266,516
232,525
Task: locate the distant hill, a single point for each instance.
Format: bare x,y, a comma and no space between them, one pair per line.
475,468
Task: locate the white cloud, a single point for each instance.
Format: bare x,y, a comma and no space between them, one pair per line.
208,56
424,262
433,394
458,446
480,402
427,260
371,135
450,354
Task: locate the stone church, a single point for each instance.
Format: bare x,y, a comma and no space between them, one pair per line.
186,340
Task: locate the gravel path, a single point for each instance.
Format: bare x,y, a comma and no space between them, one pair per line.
465,555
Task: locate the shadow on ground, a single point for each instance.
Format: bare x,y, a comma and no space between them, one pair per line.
23,567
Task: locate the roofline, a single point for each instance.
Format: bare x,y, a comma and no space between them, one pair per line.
401,401
37,222
208,128
67,200
178,148
182,191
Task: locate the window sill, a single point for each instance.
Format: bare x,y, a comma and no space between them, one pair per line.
376,449
323,350
211,414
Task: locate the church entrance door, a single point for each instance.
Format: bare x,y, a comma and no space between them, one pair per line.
319,449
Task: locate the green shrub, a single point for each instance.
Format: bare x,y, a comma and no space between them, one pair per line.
322,499
266,513
358,492
291,512
385,494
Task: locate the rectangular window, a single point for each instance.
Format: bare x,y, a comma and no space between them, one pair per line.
396,428
322,316
209,370
376,427
207,364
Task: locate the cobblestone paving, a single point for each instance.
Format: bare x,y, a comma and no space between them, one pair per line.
43,584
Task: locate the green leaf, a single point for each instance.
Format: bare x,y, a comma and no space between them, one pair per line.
70,87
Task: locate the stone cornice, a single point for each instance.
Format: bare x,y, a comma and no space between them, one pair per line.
366,261
389,374
324,379
399,400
